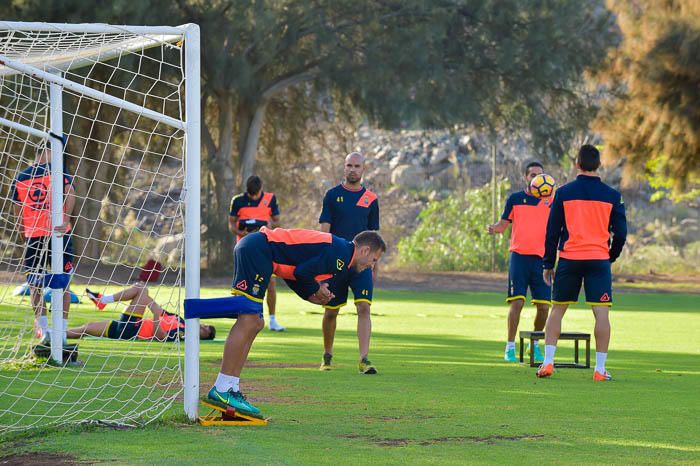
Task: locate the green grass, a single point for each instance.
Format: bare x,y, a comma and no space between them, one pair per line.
443,394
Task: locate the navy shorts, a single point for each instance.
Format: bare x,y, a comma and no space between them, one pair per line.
37,257
123,329
596,276
253,269
526,271
361,285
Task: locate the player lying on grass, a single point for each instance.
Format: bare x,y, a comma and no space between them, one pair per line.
306,257
163,327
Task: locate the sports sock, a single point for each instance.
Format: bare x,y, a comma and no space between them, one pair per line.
510,345
225,382
272,319
106,299
535,342
549,354
600,362
43,322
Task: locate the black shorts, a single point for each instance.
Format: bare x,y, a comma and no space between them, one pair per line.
37,257
253,269
123,330
595,275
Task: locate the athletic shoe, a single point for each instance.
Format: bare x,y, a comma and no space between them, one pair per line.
366,367
604,377
95,298
233,399
545,371
46,341
275,327
326,362
509,356
538,356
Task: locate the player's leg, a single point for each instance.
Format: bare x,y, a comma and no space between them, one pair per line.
541,298
517,289
34,263
271,299
95,329
597,284
362,289
253,270
567,284
330,317
67,268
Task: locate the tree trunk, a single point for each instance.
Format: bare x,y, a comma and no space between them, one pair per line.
249,141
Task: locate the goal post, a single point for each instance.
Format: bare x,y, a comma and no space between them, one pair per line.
122,105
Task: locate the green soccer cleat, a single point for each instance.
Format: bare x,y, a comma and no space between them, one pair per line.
233,399
509,355
366,367
326,362
537,355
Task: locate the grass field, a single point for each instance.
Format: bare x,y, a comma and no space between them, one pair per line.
442,395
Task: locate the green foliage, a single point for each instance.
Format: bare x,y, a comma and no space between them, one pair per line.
654,121
452,234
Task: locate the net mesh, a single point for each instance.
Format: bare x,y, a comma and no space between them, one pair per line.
128,175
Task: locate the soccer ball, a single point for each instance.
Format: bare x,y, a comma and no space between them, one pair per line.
542,186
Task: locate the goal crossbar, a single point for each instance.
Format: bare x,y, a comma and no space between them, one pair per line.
90,92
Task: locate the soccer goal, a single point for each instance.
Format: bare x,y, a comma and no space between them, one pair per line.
106,120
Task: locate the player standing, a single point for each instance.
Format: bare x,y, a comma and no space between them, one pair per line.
249,212
31,194
528,215
584,215
348,209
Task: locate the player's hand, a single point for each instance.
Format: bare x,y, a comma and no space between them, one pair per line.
61,230
492,229
322,296
548,276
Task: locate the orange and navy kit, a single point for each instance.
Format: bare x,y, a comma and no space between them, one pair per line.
528,216
350,212
253,214
31,190
128,328
588,226
303,258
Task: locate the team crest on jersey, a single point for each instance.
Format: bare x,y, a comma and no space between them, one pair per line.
365,200
340,264
242,285
255,290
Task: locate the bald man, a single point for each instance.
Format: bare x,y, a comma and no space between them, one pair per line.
349,209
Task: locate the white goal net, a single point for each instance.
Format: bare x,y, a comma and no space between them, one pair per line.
119,108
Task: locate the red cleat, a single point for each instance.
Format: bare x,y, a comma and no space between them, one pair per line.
604,377
545,370
95,298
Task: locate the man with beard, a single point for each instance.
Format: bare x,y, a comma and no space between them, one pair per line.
349,209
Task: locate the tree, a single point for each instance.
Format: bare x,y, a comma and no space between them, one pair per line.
653,119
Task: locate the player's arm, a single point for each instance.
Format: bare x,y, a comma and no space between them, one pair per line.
326,214
68,205
274,221
555,224
233,226
618,227
505,221
306,273
274,213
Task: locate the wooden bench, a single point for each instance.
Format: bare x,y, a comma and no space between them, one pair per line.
575,336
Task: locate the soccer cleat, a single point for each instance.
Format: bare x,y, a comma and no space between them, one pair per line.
537,356
545,370
236,400
95,298
326,362
604,377
366,367
46,341
275,327
509,356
